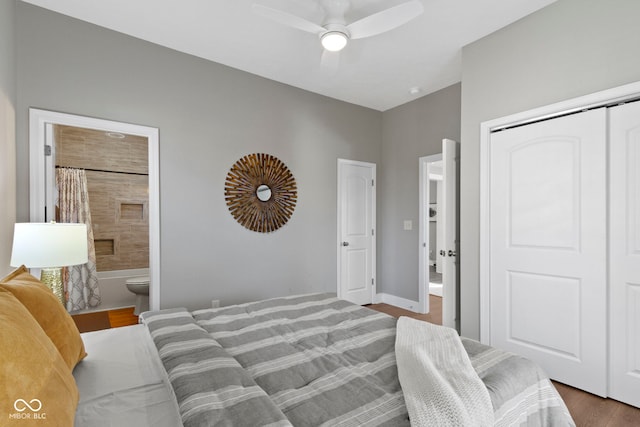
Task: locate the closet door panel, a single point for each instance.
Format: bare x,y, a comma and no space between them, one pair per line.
548,246
543,213
625,252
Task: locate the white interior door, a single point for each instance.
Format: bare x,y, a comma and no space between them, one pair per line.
548,246
356,231
439,224
50,173
449,249
625,253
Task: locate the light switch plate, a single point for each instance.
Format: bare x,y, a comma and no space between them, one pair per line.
408,224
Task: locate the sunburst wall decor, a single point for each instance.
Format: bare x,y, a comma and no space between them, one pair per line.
260,192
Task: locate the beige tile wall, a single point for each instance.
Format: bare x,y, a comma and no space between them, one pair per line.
119,201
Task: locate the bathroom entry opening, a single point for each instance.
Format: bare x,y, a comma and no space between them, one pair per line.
121,167
117,172
116,169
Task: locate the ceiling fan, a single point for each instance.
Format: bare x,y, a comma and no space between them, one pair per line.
335,32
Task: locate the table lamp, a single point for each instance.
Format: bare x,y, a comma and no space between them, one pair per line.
50,246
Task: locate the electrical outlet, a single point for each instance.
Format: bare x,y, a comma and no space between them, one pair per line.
408,224
215,303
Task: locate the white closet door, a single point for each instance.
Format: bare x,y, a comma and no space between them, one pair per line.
625,253
548,246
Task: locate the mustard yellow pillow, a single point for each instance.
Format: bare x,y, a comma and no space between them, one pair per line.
48,312
36,385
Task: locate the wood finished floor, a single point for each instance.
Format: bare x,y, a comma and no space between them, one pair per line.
586,409
98,320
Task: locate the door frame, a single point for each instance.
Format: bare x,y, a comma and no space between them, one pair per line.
39,120
374,288
606,97
423,230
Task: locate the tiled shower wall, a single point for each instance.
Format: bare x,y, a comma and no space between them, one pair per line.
117,177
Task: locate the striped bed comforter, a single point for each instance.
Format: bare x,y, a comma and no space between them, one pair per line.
315,360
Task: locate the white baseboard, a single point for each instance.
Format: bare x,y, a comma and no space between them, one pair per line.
398,302
435,289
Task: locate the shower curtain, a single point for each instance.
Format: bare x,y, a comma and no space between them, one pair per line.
81,281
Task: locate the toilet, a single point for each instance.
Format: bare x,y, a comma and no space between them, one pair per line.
140,287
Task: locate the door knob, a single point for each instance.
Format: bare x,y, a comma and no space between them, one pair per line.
345,243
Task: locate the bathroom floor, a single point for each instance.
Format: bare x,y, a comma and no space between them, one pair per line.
87,322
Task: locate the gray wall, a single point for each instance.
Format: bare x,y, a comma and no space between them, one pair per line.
409,132
7,132
568,49
209,116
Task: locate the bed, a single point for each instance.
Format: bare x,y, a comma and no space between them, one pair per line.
307,360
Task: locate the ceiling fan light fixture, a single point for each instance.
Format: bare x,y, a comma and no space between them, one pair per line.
334,41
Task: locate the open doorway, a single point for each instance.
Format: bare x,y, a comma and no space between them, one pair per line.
430,265
45,126
438,231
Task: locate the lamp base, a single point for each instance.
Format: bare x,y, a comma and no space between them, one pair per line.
52,277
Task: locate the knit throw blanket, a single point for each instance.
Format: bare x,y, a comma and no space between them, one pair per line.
439,384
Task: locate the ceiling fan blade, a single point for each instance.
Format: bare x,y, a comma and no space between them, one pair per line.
287,18
330,60
385,20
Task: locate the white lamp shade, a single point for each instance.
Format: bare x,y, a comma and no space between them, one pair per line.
46,245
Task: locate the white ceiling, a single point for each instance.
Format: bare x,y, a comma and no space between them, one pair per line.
375,72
